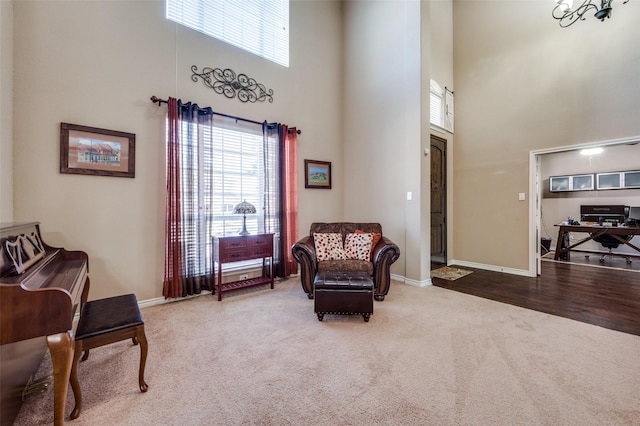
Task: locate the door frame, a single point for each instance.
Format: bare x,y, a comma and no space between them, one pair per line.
535,193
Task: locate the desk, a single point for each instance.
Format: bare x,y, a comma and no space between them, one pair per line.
594,231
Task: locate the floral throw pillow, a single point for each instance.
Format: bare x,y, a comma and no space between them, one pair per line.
358,246
328,246
376,238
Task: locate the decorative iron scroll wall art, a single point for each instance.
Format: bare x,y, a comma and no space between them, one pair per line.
225,82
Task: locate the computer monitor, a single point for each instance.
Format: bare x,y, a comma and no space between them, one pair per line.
603,213
634,215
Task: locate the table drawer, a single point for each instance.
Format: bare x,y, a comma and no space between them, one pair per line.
234,249
249,241
247,253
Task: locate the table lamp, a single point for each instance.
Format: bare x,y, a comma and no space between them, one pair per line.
243,208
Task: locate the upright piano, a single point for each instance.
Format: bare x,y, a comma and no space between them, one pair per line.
41,288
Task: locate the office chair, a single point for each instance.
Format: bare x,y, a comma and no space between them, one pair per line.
610,242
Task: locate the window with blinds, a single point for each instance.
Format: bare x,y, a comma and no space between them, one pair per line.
257,26
436,109
441,106
221,166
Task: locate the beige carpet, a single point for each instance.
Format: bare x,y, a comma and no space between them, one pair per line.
429,356
448,273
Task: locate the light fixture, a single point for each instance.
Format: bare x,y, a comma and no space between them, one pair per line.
591,151
244,208
565,13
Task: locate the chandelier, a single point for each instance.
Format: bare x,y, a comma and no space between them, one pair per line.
564,12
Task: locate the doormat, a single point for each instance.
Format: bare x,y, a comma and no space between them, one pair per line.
447,273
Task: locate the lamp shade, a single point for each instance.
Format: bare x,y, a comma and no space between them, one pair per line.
244,208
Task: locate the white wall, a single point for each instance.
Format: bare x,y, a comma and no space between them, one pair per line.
390,49
6,111
96,64
522,84
382,102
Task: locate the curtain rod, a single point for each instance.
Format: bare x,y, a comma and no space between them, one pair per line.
157,100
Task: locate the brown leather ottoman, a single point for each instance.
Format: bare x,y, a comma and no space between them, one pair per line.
343,293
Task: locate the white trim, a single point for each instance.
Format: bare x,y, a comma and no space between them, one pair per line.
161,300
440,130
493,268
400,278
633,139
534,216
416,283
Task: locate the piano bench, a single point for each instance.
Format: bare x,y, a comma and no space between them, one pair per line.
103,322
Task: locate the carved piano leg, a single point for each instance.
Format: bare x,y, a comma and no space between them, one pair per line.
61,349
75,383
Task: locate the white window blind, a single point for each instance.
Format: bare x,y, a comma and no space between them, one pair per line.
237,169
257,26
436,110
221,166
441,106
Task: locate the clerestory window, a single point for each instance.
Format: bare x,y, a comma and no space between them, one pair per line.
257,26
441,106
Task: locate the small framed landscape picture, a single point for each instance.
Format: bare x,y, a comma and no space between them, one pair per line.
317,174
92,151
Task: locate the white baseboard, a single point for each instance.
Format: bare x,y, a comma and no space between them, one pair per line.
486,267
415,283
162,300
155,301
400,278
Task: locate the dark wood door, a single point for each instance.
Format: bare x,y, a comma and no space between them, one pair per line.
438,199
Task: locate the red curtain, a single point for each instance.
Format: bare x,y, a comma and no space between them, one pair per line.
172,286
290,196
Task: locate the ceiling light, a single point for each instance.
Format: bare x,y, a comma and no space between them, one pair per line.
565,13
591,151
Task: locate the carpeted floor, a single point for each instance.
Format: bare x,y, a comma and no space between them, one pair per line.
428,356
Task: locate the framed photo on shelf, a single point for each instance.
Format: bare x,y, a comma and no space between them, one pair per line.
100,152
317,174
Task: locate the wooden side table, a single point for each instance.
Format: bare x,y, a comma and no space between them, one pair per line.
239,248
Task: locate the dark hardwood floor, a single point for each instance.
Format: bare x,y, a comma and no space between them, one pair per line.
605,297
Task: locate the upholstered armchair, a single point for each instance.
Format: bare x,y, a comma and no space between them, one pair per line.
383,254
